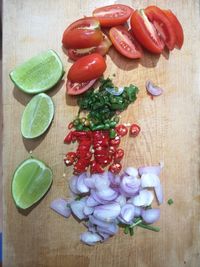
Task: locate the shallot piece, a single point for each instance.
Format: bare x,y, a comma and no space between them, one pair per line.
105,200
61,206
77,207
90,238
129,186
127,213
150,215
153,89
80,184
108,212
144,198
115,90
152,180
150,169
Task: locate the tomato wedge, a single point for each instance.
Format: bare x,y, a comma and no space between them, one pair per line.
78,88
87,68
176,26
145,32
162,24
82,33
112,15
125,43
102,49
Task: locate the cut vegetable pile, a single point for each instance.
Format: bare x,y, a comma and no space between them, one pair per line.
104,197
152,28
106,201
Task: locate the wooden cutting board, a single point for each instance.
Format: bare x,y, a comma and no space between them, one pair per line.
170,132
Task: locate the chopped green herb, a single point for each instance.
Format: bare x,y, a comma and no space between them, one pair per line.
170,201
148,207
136,222
102,106
126,230
78,198
149,227
112,133
131,231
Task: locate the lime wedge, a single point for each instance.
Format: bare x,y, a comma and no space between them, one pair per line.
39,73
37,116
31,181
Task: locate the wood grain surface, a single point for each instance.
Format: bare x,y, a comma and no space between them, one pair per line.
170,132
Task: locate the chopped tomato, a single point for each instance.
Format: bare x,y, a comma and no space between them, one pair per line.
83,33
87,68
176,26
145,32
162,24
125,43
102,48
78,88
112,15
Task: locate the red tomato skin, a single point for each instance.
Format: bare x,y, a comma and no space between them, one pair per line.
78,88
142,34
75,36
177,27
87,68
108,21
155,14
129,48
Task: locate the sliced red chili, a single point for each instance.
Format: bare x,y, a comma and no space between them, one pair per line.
95,167
70,125
118,155
115,141
134,130
111,150
115,168
70,158
69,138
81,165
121,130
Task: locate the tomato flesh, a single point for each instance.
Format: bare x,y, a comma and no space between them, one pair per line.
79,88
83,33
102,49
162,24
87,68
176,26
112,15
125,43
145,32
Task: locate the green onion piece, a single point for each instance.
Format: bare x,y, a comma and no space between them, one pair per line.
131,231
170,201
149,227
126,230
136,222
112,133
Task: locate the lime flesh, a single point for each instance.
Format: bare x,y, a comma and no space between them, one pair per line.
39,73
31,181
37,116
